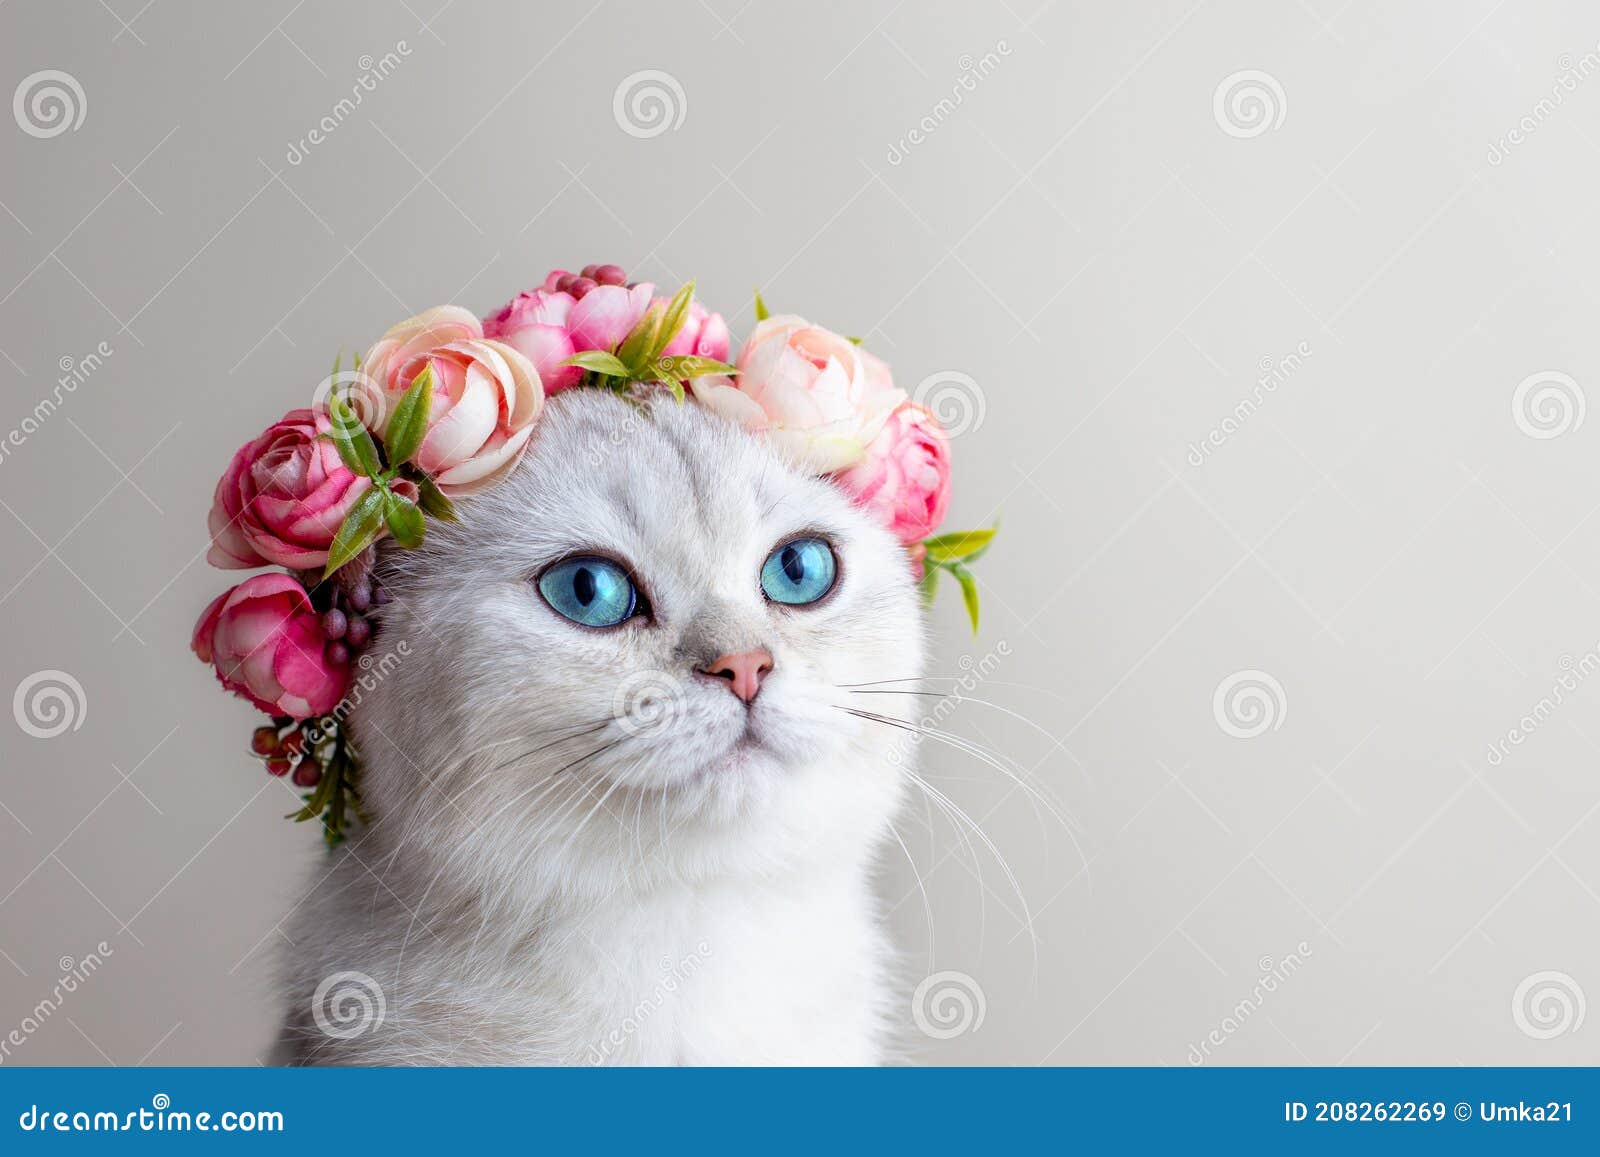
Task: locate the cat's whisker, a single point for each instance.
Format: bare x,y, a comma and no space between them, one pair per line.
962,697
927,904
971,747
977,829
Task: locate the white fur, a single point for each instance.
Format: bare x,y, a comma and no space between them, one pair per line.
676,897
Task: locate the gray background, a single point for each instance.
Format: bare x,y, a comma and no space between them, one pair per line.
1109,266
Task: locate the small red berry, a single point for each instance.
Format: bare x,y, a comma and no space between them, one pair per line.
609,275
264,741
278,766
308,773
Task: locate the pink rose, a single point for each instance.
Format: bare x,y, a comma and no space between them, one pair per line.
819,398
265,640
535,325
486,396
904,480
606,314
282,498
704,335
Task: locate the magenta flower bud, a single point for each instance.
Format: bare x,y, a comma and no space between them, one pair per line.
334,624
609,275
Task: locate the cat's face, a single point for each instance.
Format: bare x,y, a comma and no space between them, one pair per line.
641,645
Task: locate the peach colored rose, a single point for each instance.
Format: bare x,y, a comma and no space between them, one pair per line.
486,396
905,478
819,398
265,641
282,497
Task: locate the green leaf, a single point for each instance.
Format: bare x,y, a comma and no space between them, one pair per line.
639,346
600,362
433,500
960,545
404,519
355,444
854,340
677,314
761,308
929,585
409,423
357,531
688,366
969,592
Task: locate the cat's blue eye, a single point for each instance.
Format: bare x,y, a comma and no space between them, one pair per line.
592,592
799,572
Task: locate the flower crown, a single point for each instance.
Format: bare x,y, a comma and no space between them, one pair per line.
443,406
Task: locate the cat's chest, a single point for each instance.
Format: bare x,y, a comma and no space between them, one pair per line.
721,976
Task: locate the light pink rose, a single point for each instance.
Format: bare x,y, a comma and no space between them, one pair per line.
486,396
282,498
535,325
819,398
904,481
265,641
704,335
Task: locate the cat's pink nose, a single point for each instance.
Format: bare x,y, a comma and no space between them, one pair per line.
743,671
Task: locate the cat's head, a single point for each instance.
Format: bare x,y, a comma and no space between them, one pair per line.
635,655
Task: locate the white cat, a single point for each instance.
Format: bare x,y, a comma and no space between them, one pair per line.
619,812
